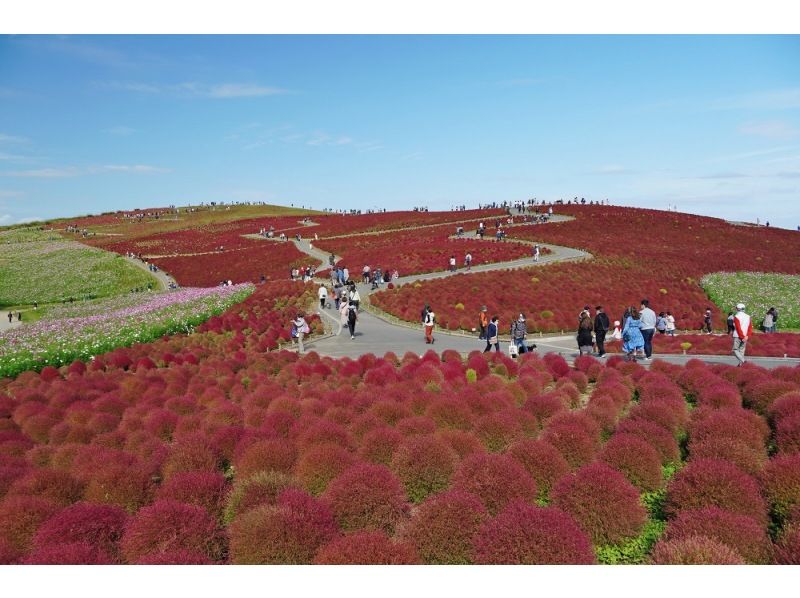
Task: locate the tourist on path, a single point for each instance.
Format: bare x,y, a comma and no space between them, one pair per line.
353,297
365,274
601,326
344,310
670,324
424,313
769,320
352,318
468,261
483,323
731,325
632,339
430,320
323,296
337,294
585,335
519,330
301,329
648,319
452,263
10,317
743,330
536,253
706,322
661,323
491,335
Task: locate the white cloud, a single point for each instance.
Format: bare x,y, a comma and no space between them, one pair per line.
4,138
44,173
5,219
777,99
192,89
72,171
11,157
610,169
120,130
775,129
29,219
134,168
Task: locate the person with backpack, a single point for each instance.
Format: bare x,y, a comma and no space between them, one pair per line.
300,328
352,318
743,330
601,327
519,330
731,326
344,312
585,335
353,297
483,322
428,323
491,335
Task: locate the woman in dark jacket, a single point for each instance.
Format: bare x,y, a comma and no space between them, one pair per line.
491,335
585,335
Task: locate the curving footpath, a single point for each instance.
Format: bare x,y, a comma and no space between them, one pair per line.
379,333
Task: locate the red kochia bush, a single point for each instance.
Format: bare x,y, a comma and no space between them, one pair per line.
635,459
442,527
266,455
732,450
320,464
694,550
656,436
178,556
715,483
20,517
740,532
205,489
55,485
75,553
167,525
542,461
573,440
367,496
787,549
781,483
378,445
289,533
424,464
498,430
99,526
787,434
497,480
366,548
525,534
741,424
602,501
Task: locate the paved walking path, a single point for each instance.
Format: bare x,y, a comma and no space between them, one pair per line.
162,277
4,323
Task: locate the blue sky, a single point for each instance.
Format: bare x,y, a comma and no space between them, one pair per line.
708,124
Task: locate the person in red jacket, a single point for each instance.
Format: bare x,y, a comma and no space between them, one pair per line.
743,330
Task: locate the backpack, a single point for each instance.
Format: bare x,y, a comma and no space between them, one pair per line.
661,324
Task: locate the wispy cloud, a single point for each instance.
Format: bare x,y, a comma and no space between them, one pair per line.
254,135
754,154
792,174
193,89
79,49
73,171
723,176
612,169
120,130
775,129
776,99
4,138
12,157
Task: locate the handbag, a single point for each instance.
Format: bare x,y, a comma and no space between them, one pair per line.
493,340
512,350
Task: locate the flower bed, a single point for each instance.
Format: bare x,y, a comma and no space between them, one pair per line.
759,291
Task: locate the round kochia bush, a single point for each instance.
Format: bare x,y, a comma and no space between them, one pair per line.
542,461
424,464
781,483
99,526
442,528
205,489
76,553
497,480
367,497
787,549
715,483
694,550
740,532
366,548
289,533
525,534
167,525
635,459
602,501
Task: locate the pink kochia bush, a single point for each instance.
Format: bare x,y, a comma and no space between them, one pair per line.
366,548
634,458
168,525
289,533
694,550
525,534
442,528
367,497
497,480
603,502
424,464
542,461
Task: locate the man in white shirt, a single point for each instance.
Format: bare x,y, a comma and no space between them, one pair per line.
648,319
323,296
742,331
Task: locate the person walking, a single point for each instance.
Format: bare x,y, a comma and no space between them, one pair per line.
301,328
536,252
323,296
731,326
452,263
706,321
483,322
352,318
519,330
632,339
344,311
648,319
585,335
661,323
468,261
430,321
743,330
331,260
10,317
365,274
346,274
492,339
601,327
424,313
353,297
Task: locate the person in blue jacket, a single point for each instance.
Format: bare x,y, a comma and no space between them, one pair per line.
632,339
492,339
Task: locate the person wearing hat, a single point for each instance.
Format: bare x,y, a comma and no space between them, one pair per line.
483,322
743,330
519,331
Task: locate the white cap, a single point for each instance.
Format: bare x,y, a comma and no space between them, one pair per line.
740,306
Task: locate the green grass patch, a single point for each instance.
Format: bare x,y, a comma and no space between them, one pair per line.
41,266
758,291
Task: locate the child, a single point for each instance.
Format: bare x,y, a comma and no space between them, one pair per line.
617,334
